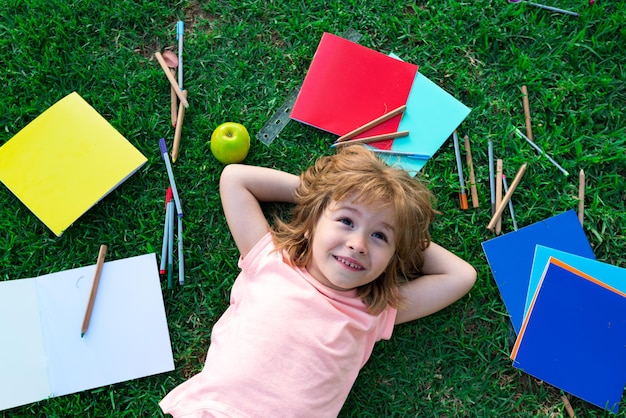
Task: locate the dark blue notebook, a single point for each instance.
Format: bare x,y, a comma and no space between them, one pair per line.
574,334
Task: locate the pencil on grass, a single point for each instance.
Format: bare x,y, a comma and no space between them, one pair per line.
470,165
526,104
507,197
499,170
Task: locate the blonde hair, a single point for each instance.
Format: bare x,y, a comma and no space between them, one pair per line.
357,173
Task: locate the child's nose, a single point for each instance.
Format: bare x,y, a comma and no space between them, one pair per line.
357,243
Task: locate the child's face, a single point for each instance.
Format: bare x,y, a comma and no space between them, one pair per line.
352,245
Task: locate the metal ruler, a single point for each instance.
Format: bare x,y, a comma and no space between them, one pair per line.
279,120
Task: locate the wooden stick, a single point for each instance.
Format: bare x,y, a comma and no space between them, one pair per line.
470,164
529,131
370,139
174,100
371,124
171,78
507,196
499,170
179,129
568,407
94,290
581,196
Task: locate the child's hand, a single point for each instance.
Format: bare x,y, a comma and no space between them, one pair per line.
446,279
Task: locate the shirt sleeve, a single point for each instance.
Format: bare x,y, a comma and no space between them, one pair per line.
259,249
388,319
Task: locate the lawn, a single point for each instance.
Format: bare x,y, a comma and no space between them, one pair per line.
241,61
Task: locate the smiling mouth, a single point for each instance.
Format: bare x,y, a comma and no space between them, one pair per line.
348,263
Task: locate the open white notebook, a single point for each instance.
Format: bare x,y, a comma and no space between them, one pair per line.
42,353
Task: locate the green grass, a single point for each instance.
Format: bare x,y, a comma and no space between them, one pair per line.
242,59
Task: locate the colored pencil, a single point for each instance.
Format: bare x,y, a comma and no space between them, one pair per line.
492,181
94,290
174,103
526,104
459,167
499,169
370,139
407,154
470,165
535,146
179,129
170,245
505,187
181,260
371,124
171,78
166,231
581,196
507,197
170,175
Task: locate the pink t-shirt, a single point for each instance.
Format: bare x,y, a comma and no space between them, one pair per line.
287,346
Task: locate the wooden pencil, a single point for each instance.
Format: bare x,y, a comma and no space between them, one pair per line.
568,407
179,129
370,139
94,290
174,103
470,164
171,79
529,130
371,124
507,197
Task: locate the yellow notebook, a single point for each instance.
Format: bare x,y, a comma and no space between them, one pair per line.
65,161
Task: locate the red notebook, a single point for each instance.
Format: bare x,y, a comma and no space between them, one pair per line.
348,85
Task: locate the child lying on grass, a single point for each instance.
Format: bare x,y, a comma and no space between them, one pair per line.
317,291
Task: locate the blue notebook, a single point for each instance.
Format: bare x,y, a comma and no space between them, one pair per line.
511,256
574,334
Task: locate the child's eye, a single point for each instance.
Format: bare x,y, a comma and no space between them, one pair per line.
346,221
380,235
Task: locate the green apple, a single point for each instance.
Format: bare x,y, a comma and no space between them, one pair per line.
230,142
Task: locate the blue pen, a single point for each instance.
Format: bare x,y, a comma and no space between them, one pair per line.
180,31
170,174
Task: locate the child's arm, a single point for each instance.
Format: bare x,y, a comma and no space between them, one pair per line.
242,187
446,279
